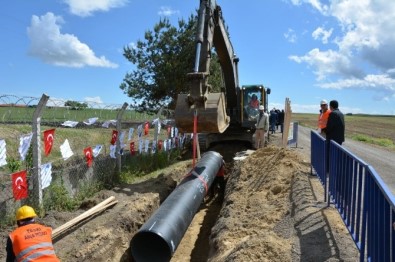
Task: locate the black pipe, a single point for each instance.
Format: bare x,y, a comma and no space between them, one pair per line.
159,237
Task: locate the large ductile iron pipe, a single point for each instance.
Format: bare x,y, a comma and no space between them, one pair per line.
159,237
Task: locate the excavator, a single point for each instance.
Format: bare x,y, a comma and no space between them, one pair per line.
226,115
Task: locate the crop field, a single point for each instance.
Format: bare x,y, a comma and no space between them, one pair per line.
372,129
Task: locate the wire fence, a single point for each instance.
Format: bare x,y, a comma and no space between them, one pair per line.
89,127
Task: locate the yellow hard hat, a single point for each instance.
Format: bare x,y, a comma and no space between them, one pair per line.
25,212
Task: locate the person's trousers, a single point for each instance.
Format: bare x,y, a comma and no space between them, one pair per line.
259,138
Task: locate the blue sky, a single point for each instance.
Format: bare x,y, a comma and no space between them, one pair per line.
306,50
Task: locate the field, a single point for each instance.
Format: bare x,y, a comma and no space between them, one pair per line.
372,129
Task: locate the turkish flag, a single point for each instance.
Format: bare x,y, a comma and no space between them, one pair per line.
146,128
19,185
114,137
132,150
88,156
49,136
160,143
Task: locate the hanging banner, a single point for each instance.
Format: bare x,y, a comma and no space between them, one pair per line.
49,136
88,156
19,185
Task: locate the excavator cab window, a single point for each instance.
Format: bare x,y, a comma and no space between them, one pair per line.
252,101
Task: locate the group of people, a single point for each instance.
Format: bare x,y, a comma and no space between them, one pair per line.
276,119
331,122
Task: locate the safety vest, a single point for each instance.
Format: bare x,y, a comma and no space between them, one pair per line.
323,119
33,242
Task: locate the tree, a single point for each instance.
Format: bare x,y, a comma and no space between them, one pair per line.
74,105
162,61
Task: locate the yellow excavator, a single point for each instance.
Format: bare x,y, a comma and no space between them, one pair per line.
227,115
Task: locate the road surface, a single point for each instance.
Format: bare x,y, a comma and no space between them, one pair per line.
382,160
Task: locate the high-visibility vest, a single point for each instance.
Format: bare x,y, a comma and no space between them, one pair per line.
33,242
323,119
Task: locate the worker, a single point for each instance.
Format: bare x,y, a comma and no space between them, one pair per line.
323,117
254,103
30,241
262,127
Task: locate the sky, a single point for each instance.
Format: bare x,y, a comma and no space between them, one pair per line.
304,50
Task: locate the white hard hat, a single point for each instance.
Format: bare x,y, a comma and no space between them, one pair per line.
261,108
323,102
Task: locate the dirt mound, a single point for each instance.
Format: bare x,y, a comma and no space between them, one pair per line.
253,221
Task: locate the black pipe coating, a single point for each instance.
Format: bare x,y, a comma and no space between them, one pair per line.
160,236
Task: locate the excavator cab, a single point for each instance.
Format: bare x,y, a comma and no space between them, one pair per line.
252,96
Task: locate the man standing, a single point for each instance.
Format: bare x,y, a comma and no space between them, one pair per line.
30,241
273,120
323,118
335,126
262,126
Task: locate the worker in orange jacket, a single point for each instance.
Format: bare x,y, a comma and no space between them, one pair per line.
323,117
30,241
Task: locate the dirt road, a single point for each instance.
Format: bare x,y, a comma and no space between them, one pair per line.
381,159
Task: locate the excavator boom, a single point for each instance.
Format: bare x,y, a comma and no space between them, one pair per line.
210,107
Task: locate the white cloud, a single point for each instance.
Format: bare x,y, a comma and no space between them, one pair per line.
167,11
88,7
290,36
315,3
326,63
382,84
364,46
94,100
53,47
322,34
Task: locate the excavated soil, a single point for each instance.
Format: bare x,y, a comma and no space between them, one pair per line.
273,210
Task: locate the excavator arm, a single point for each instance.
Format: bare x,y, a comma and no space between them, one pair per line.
212,108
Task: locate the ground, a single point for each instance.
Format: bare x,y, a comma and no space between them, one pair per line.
273,210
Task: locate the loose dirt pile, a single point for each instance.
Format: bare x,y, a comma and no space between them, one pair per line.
271,211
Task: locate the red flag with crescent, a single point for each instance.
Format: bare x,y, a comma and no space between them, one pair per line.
19,185
146,128
160,143
132,150
88,156
114,137
49,136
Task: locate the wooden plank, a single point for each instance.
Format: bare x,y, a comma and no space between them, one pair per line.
94,210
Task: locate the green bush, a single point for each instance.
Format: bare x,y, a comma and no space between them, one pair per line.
143,164
56,197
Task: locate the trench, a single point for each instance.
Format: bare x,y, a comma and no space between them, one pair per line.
195,244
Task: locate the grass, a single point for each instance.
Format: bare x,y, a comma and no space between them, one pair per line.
56,114
372,129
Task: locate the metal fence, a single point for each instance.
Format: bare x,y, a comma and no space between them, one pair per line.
18,117
364,202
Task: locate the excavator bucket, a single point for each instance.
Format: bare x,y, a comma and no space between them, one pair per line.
211,119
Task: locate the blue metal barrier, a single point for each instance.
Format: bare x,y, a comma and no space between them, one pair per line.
364,202
319,159
379,215
347,190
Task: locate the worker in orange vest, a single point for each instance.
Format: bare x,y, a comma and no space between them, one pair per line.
30,241
323,117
